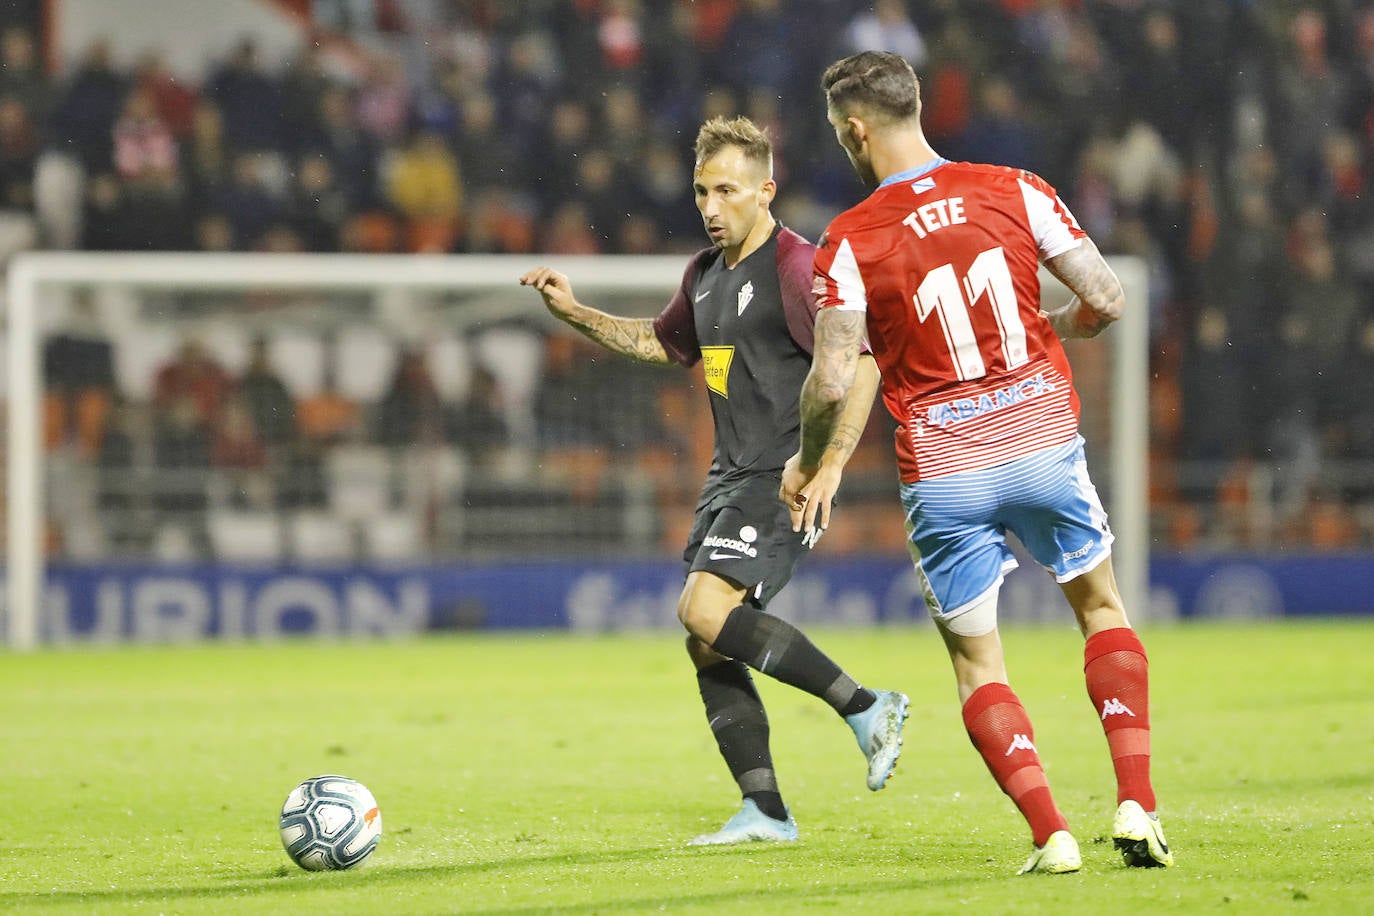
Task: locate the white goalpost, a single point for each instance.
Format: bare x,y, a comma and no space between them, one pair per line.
425,275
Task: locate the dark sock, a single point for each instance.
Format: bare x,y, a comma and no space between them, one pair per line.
740,725
862,700
778,649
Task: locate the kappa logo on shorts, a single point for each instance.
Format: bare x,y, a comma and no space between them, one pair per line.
733,548
1080,552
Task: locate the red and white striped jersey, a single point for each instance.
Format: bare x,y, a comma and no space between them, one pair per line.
945,262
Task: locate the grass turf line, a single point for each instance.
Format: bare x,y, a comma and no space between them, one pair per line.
562,773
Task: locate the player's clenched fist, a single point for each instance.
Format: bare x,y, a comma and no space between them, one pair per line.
553,286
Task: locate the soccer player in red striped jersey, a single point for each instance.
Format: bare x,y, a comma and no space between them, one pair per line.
937,269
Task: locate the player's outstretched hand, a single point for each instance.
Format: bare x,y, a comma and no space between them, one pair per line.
808,495
553,286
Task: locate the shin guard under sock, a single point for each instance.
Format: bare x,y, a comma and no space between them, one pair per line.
1001,731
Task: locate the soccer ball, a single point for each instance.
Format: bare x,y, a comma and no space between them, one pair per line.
330,822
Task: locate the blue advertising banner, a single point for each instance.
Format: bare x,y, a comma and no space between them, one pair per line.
1245,586
162,603
149,603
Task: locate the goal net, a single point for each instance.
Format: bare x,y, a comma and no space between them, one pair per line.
347,411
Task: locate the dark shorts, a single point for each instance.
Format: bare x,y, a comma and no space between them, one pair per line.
744,534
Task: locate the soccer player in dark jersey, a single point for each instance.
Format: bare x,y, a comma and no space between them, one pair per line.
938,270
746,310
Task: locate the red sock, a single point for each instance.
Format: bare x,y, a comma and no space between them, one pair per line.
1118,677
1001,731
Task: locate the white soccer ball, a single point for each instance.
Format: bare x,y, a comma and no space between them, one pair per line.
329,823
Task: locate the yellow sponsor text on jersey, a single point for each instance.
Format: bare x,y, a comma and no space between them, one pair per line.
716,363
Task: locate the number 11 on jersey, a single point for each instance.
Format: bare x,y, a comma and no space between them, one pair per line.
951,298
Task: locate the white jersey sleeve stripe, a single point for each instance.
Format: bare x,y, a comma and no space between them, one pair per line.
1051,222
849,283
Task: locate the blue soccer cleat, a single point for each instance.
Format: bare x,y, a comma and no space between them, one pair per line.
749,825
879,732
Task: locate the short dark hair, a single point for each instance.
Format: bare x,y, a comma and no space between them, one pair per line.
880,82
718,133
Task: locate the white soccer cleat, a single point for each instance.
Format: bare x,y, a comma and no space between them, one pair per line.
1140,837
1058,856
750,825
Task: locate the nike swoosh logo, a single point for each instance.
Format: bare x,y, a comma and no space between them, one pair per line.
717,555
701,296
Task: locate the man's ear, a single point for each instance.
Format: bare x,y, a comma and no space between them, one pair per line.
858,131
767,191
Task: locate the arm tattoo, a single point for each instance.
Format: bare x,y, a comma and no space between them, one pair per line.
1099,298
633,337
844,440
833,364
849,428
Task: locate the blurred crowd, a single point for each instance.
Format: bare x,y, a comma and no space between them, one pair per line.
1228,143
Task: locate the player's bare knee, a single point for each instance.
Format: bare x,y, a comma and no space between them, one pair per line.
705,603
691,613
703,619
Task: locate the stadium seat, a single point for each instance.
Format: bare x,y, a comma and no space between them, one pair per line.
239,536
298,358
450,363
76,497
432,475
59,184
93,406
516,357
372,233
227,345
394,537
83,538
139,352
54,412
320,537
174,543
431,235
365,359
130,532
359,481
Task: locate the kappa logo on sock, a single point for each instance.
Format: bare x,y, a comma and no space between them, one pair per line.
1020,743
1115,707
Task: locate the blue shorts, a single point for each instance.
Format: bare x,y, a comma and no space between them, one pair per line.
957,525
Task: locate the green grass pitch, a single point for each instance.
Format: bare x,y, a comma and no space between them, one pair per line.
559,773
